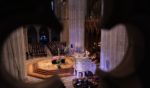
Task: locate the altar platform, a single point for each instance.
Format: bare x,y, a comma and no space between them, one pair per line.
45,68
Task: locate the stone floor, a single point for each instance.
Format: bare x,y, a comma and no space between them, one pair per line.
66,80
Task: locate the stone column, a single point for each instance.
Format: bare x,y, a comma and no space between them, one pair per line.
25,38
61,11
77,10
114,45
64,20
14,54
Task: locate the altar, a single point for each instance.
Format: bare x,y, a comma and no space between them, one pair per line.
45,68
83,64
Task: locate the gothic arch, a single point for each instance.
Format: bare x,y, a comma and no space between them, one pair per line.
32,35
44,34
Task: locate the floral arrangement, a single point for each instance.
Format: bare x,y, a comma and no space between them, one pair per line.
58,60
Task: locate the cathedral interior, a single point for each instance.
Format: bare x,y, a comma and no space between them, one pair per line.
74,44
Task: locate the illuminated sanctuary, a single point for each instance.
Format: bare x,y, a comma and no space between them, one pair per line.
77,50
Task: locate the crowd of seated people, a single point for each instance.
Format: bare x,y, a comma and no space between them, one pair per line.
54,46
91,81
36,50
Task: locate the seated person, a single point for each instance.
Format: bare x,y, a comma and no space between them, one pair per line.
88,74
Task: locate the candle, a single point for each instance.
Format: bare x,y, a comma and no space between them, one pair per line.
58,52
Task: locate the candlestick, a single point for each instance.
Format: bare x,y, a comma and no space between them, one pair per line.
58,52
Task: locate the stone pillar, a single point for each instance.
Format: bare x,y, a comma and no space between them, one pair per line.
26,38
64,19
22,51
61,11
114,45
14,54
77,10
